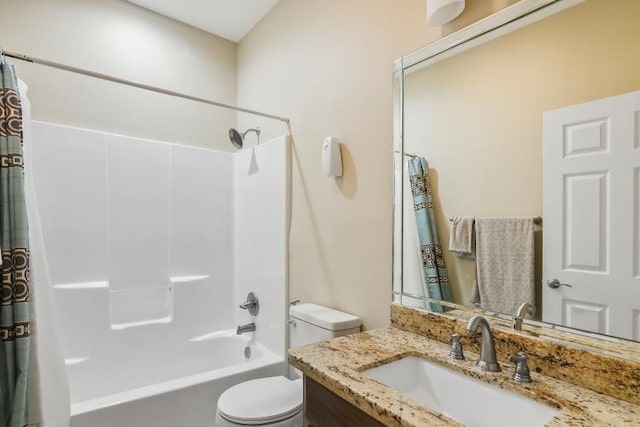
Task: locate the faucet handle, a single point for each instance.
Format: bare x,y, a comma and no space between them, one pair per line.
456,347
521,373
252,304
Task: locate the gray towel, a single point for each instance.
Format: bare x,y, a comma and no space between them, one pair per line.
461,240
505,262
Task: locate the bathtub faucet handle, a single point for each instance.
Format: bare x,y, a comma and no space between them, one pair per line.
251,304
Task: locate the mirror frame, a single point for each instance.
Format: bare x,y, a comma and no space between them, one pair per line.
498,24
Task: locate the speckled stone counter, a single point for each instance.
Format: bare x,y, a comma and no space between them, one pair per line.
337,365
611,370
597,343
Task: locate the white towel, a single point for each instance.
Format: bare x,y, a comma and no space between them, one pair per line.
505,262
461,237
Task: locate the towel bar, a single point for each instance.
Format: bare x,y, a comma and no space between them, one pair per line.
536,219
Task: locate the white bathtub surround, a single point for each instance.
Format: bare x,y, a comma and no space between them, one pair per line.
52,378
181,393
194,362
261,239
151,248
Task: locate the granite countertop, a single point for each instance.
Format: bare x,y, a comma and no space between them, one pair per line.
337,363
588,341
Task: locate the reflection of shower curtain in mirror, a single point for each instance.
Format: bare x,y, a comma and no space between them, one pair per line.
436,282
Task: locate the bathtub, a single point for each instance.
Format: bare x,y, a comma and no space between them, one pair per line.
170,387
144,276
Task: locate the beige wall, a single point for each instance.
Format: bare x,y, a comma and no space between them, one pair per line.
328,66
118,38
477,117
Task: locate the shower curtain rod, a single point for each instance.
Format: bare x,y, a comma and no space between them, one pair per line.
132,83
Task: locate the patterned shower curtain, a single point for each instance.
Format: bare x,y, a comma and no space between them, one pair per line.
15,319
435,273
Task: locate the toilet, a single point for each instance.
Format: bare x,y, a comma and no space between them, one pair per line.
277,401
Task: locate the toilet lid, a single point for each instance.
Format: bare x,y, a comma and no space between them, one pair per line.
261,401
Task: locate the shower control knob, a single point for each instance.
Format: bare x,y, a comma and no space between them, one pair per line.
251,304
555,284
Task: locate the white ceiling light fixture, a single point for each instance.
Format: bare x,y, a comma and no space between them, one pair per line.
440,12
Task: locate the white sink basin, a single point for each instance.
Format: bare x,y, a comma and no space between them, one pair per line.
467,400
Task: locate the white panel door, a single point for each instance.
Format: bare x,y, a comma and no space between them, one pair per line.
591,206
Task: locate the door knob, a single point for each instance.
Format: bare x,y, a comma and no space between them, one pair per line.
555,284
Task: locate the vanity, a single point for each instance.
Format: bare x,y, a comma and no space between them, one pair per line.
478,107
579,387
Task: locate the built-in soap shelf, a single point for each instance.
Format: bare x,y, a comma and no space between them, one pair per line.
71,361
188,279
209,336
132,307
82,285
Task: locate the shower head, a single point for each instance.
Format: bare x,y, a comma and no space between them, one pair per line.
237,138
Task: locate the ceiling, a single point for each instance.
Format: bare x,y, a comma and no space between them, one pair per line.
230,19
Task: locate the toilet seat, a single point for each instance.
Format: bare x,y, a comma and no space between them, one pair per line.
261,401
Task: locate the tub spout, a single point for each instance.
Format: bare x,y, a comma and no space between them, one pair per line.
249,327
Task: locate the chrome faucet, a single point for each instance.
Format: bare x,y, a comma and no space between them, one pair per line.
249,327
524,308
487,360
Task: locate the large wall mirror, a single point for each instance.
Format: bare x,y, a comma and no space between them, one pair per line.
531,113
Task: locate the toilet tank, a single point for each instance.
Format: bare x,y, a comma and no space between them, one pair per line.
312,322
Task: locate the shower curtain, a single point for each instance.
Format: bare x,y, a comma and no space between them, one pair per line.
436,281
16,389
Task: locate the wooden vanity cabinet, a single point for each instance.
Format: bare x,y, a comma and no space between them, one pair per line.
323,408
